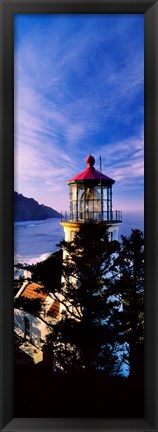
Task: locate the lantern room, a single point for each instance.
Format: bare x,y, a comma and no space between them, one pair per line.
91,196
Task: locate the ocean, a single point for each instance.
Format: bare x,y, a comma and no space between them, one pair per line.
35,240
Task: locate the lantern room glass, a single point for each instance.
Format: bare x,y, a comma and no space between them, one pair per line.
90,203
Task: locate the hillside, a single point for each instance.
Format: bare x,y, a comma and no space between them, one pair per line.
29,209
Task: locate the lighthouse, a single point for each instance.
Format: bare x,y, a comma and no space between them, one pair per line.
91,201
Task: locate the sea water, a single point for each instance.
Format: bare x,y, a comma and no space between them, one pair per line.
35,240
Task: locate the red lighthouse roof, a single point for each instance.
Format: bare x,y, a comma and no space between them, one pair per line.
90,174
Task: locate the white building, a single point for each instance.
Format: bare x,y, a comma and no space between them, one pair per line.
33,328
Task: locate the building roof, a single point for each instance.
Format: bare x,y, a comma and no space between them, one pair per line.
36,291
54,310
33,291
91,174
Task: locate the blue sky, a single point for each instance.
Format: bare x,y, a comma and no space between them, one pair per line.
79,85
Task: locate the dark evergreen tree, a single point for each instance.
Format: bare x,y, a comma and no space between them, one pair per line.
131,287
103,294
30,305
47,272
86,336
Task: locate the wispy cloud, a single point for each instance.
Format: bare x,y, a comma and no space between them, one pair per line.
78,85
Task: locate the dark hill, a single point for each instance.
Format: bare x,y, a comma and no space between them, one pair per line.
29,209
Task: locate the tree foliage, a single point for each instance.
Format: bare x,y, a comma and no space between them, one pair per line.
85,337
30,305
102,294
130,284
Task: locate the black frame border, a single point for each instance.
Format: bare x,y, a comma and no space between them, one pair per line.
8,8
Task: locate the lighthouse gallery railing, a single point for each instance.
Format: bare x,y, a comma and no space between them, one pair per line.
86,216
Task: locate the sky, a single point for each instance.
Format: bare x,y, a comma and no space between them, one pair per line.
79,89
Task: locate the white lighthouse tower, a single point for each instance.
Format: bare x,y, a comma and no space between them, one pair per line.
91,201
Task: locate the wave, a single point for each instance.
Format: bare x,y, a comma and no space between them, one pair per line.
32,222
30,260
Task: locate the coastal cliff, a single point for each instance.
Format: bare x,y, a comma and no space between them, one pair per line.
29,209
